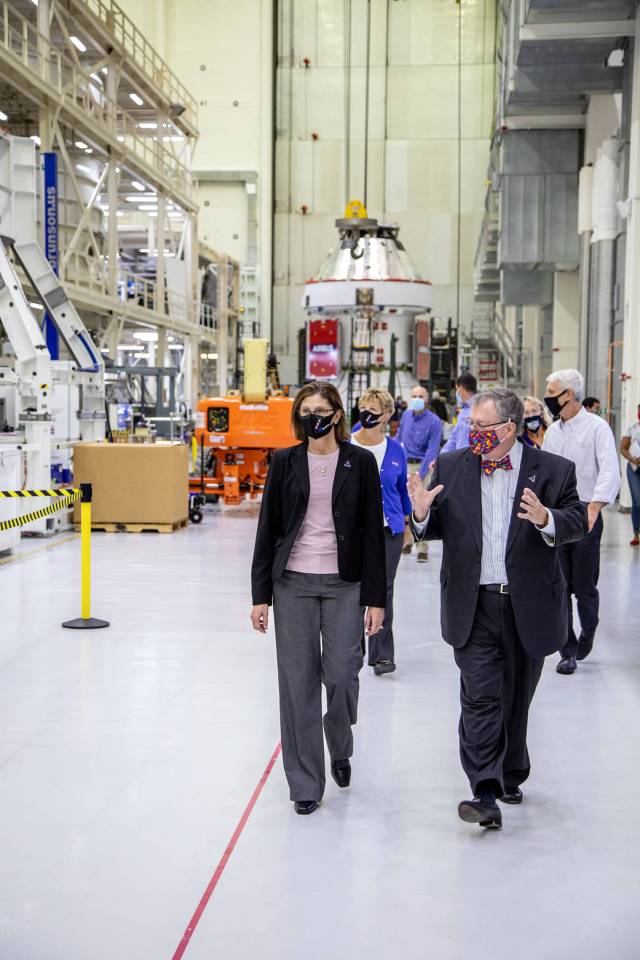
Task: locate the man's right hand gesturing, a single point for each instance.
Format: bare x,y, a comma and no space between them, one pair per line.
421,499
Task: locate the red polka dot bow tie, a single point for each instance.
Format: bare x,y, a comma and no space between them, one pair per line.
490,466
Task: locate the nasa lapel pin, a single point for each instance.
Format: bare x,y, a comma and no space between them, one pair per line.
532,478
347,463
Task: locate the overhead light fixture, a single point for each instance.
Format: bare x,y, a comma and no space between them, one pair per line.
120,138
105,71
81,145
208,356
136,99
176,346
128,346
3,116
148,336
148,125
81,167
136,198
137,185
148,209
36,306
94,76
78,44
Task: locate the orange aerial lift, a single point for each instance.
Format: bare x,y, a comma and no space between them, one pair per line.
240,432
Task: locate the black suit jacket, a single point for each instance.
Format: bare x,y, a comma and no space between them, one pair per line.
536,583
357,517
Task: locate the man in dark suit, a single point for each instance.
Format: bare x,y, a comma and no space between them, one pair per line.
500,508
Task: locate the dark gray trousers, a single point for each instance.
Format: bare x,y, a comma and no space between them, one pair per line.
308,607
381,644
498,679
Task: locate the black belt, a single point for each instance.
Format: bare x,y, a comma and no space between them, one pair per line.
414,459
502,588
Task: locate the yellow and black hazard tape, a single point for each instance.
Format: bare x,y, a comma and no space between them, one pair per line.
64,498
60,492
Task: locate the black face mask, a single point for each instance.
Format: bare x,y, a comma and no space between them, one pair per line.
315,426
368,419
533,423
554,405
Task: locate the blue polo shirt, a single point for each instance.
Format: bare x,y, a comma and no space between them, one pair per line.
420,435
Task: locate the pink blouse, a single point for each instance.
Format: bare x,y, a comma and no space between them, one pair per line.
315,549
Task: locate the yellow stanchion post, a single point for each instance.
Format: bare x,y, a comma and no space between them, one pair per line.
85,621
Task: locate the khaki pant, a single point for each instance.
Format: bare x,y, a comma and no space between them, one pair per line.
423,546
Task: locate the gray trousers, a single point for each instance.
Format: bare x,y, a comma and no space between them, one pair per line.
381,644
306,608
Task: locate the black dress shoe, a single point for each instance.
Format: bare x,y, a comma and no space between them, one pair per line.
341,772
585,646
384,666
485,812
567,665
512,795
305,807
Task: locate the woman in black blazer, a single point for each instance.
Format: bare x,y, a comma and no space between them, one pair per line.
320,558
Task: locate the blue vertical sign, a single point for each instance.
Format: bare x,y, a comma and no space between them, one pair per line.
51,233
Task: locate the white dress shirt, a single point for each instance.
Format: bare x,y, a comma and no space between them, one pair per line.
587,440
498,493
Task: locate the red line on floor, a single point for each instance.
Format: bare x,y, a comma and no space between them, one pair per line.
224,859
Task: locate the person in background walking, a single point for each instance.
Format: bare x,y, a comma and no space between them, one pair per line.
420,433
592,405
376,407
536,422
438,406
630,450
590,444
466,388
319,556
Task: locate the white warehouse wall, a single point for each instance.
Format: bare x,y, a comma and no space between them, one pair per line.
413,129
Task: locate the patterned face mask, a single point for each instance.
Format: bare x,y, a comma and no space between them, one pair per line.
483,441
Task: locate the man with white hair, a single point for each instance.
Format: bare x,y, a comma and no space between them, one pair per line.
589,442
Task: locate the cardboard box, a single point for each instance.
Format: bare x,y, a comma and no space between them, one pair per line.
134,482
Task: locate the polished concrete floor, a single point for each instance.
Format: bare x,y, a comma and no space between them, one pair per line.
128,755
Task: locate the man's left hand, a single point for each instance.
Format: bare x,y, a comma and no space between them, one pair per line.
593,512
532,509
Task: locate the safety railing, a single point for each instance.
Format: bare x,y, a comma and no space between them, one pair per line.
145,56
83,92
63,498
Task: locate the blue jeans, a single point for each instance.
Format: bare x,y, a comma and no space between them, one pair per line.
633,476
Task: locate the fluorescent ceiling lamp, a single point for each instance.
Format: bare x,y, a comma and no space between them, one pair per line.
94,76
120,138
137,185
81,167
149,336
136,99
105,71
128,346
36,139
176,346
36,306
148,125
3,116
208,356
78,44
81,145
136,198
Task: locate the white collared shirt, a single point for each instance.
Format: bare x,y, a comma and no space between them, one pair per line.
587,440
498,493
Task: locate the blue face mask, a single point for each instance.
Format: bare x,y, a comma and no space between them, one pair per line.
417,404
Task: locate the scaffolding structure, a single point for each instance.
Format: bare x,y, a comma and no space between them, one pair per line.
83,82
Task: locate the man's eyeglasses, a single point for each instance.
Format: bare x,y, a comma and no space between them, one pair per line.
487,426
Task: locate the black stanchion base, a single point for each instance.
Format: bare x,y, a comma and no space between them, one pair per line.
90,623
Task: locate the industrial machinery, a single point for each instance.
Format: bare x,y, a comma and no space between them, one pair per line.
236,435
31,384
368,285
